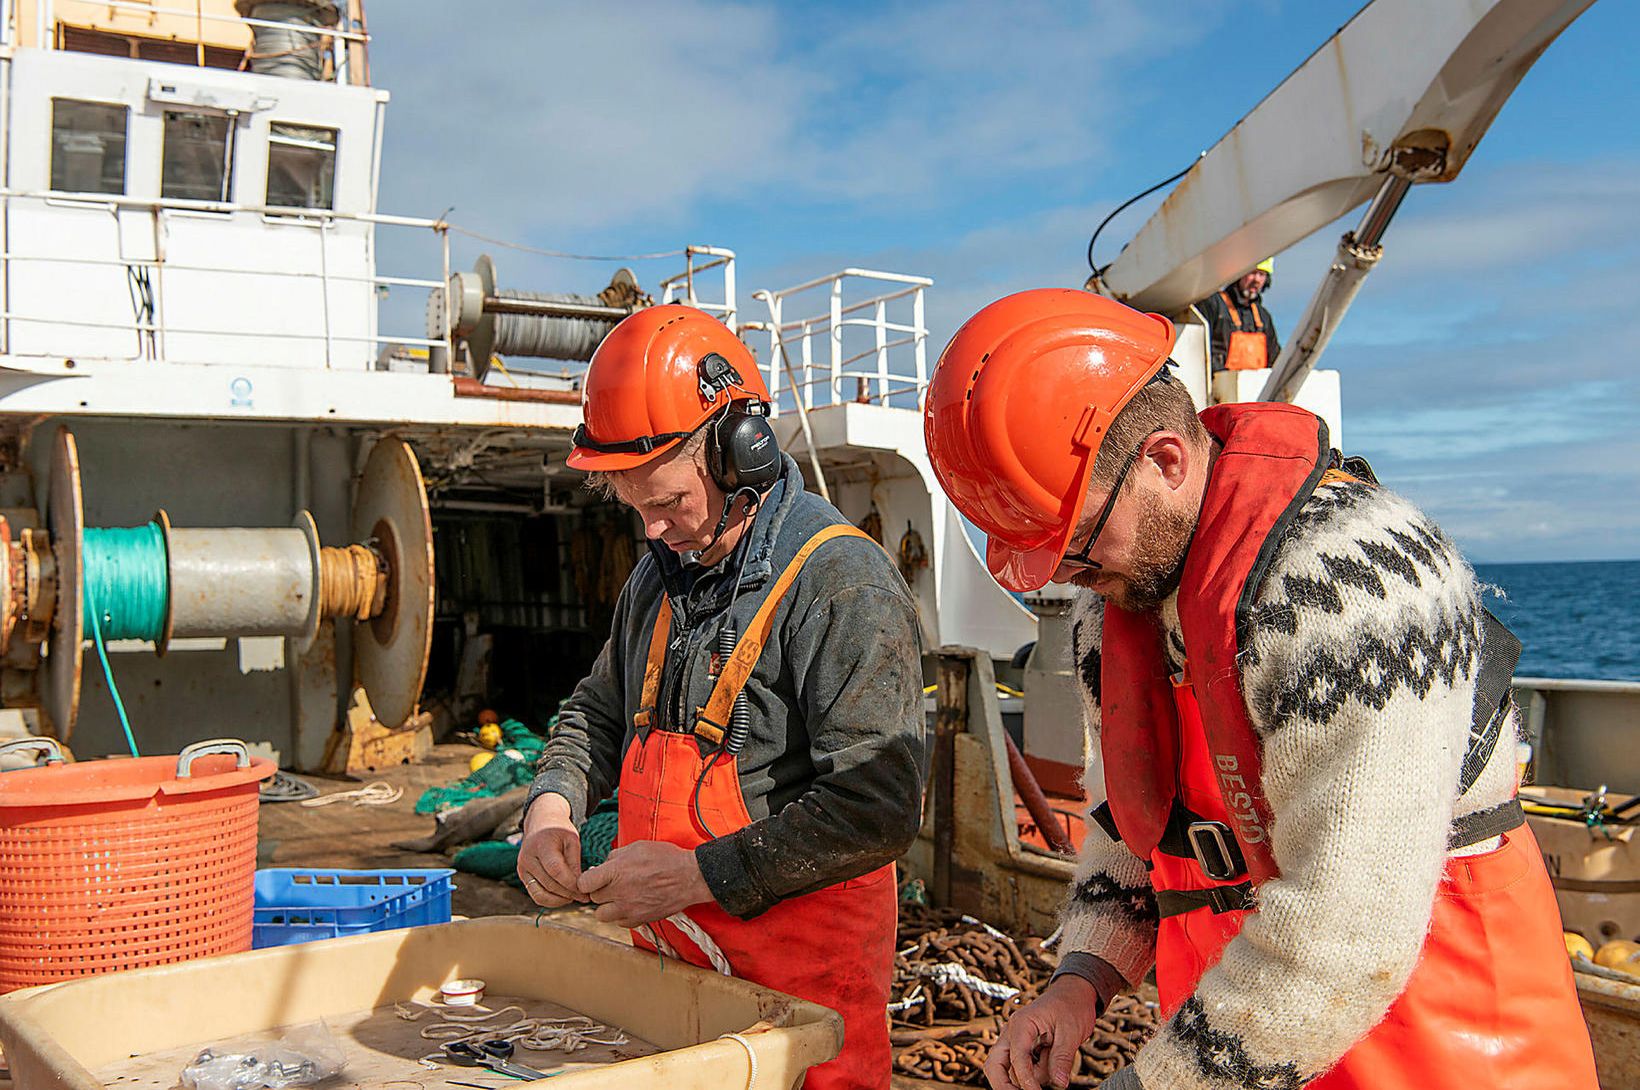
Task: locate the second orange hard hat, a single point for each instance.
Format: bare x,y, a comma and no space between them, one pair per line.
1019,403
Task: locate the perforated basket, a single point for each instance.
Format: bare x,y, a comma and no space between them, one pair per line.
119,864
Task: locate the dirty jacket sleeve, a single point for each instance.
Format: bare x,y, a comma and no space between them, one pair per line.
582,759
855,658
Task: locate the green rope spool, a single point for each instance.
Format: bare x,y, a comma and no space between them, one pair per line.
127,584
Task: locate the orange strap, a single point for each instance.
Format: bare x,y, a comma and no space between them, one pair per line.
1235,315
654,664
711,720
1336,476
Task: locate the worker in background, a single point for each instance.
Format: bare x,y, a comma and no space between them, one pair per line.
1312,833
1241,333
758,703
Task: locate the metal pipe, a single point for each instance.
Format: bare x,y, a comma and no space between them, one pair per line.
1358,253
1036,803
1384,205
544,308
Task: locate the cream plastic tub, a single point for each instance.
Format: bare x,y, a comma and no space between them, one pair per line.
85,1034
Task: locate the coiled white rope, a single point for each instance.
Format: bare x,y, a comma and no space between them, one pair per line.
376,793
751,1056
693,932
536,1034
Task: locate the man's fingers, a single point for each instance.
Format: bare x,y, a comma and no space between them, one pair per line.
1022,1061
996,1065
1061,1057
595,879
543,889
615,914
561,859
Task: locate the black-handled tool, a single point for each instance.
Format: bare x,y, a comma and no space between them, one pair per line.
495,1055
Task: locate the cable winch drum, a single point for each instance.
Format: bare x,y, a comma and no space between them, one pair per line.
549,338
156,582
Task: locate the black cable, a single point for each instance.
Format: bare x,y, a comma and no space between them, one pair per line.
1097,271
734,736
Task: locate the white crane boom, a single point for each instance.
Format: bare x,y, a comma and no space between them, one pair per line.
1406,89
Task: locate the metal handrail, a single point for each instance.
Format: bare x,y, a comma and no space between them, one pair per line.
838,316
721,259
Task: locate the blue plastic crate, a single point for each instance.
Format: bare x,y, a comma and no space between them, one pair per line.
302,905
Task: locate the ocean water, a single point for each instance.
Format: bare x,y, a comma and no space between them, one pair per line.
1574,620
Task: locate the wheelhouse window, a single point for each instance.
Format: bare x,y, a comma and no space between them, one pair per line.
301,166
198,156
87,146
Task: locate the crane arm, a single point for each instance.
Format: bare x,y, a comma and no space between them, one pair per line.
1406,89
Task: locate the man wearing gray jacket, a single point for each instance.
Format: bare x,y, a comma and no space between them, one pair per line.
758,704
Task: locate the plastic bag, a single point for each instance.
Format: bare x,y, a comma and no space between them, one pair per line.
302,1057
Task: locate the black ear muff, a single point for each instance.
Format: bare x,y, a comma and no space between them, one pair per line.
743,452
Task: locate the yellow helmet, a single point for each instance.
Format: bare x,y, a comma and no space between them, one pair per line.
1268,268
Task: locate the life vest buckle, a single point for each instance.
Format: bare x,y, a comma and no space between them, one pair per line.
1214,846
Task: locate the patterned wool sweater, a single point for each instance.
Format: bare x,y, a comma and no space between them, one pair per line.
1359,676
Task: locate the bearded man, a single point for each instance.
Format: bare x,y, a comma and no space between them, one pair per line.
1312,833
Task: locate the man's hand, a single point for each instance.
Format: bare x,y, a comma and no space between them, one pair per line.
549,857
644,882
1039,1043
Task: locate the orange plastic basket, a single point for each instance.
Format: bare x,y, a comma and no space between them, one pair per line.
120,864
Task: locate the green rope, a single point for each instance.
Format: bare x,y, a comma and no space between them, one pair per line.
127,586
127,590
113,690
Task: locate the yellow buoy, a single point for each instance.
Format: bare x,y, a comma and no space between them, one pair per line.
1619,954
489,736
479,761
1578,946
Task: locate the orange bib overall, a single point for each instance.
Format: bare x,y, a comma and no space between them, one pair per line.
1249,349
834,947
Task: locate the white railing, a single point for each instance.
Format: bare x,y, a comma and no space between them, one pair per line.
149,325
843,348
686,286
344,31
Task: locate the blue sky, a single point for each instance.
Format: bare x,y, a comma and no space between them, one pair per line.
1491,368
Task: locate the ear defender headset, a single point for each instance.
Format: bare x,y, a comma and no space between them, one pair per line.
741,451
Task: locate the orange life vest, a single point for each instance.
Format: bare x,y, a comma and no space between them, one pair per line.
1182,772
1248,350
835,946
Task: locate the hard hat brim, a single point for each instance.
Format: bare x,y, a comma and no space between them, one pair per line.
588,460
1026,568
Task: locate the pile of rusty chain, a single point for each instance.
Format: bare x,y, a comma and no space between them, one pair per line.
951,967
952,971
957,1055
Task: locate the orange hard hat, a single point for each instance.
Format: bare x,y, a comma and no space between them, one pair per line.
656,378
1020,400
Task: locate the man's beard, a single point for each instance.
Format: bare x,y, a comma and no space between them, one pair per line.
1160,541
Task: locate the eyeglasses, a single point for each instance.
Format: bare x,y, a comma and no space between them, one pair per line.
1080,558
